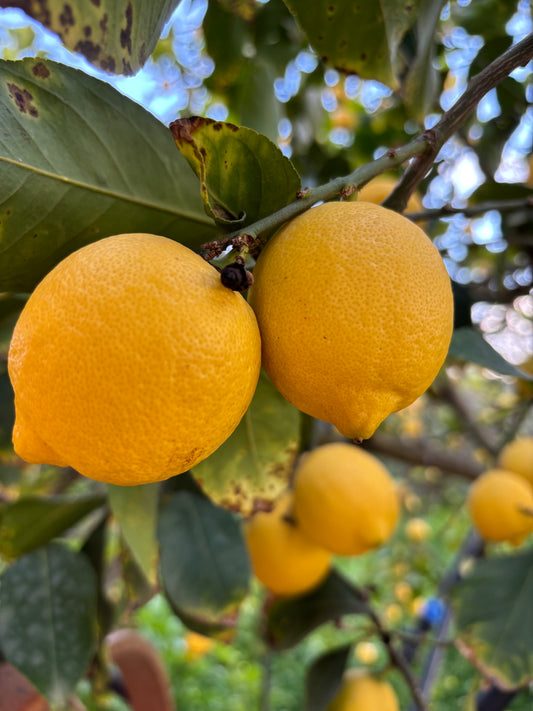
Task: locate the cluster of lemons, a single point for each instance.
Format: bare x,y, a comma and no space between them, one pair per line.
500,501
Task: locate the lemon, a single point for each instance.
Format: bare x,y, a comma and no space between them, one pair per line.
381,187
355,310
366,653
283,559
344,499
517,456
500,505
197,645
417,530
131,362
361,691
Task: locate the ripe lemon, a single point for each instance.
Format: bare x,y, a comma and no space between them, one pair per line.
344,499
417,530
366,653
517,456
355,310
381,187
500,505
283,559
131,362
361,691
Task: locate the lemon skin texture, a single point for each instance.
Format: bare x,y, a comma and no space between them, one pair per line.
517,456
131,362
283,559
361,691
355,310
500,505
344,499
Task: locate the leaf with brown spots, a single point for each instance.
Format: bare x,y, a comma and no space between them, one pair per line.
117,36
243,175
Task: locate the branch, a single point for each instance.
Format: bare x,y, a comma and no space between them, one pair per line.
517,56
472,210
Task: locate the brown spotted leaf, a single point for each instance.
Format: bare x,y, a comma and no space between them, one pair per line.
117,36
252,467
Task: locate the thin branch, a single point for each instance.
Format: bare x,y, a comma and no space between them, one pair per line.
517,56
473,210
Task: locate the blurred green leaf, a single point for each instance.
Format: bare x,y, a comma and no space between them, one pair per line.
324,677
357,38
289,620
117,36
494,618
253,466
204,563
32,521
243,175
47,618
483,17
121,172
135,509
469,345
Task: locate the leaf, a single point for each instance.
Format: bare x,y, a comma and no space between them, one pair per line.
469,345
483,17
47,613
135,509
324,678
120,173
243,175
204,564
32,521
117,36
289,620
494,618
357,38
252,467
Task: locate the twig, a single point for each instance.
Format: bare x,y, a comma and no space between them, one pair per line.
472,210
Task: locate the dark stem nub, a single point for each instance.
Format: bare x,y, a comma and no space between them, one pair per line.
236,277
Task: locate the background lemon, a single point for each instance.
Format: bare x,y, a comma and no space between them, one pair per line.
417,530
131,362
355,310
500,504
361,691
381,187
283,559
517,456
345,499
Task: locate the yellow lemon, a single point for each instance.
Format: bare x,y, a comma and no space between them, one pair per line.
361,691
366,653
381,187
197,645
355,310
131,362
344,499
517,456
417,530
500,504
283,559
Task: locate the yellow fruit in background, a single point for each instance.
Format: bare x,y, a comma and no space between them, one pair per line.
403,592
393,613
361,691
500,505
131,362
283,558
355,310
197,645
366,653
417,530
345,499
381,187
517,457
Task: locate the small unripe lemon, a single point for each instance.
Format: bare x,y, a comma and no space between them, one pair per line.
345,499
355,310
517,457
361,691
500,504
417,530
283,559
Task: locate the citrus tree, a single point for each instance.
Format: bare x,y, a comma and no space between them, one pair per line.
152,456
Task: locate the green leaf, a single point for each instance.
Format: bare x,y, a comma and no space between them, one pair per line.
135,509
32,521
324,678
47,613
289,620
469,345
494,618
121,172
483,17
357,38
204,563
243,175
117,36
253,466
